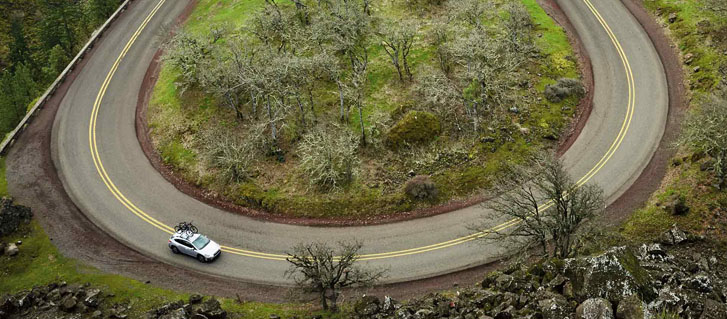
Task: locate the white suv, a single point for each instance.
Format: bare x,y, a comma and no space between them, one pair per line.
195,245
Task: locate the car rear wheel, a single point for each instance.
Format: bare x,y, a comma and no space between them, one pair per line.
175,250
201,258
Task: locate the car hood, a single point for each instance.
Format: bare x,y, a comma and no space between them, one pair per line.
211,249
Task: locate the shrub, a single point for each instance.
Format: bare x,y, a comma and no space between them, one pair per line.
563,89
233,155
329,159
421,187
416,127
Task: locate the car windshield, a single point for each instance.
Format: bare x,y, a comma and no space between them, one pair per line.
201,242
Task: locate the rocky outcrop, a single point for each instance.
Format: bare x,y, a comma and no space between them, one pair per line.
11,216
60,300
613,275
197,307
622,282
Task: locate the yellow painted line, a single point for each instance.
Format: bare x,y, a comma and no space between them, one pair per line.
417,250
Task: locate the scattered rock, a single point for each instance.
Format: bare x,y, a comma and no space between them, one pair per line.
676,205
69,303
195,299
93,297
11,250
631,307
595,308
612,275
11,216
688,58
673,236
367,306
672,18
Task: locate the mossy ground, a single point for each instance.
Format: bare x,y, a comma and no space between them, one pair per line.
40,263
458,170
699,32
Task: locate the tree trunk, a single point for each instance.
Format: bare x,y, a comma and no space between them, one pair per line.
361,122
324,302
312,107
270,116
340,95
254,105
302,110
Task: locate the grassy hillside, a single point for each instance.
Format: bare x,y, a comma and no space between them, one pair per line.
701,34
459,166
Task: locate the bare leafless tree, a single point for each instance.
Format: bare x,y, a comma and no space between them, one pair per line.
547,206
704,131
397,39
321,269
328,157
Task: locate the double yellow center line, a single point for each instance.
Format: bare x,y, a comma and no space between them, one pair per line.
417,250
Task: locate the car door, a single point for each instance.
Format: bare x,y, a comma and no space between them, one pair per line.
186,248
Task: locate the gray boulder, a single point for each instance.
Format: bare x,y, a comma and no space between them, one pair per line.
555,307
595,308
11,216
631,307
178,313
673,236
367,306
93,297
11,250
612,275
69,303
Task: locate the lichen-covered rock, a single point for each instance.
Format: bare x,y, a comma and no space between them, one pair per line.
595,308
563,89
11,250
555,308
612,275
11,216
631,307
416,127
367,306
673,236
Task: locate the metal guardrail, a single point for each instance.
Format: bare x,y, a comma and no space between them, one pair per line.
13,136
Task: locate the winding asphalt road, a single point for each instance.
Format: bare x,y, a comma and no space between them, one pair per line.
105,172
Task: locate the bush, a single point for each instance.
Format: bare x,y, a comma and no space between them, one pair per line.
416,127
563,89
421,187
329,159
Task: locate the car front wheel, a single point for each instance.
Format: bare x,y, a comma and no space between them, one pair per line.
201,258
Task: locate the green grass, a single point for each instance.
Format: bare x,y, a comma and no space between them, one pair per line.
40,263
174,120
686,178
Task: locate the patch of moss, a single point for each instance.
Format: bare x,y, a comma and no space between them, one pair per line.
416,127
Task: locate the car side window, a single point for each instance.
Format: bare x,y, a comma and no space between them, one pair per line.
184,243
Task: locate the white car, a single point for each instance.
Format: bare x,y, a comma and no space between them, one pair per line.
195,245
